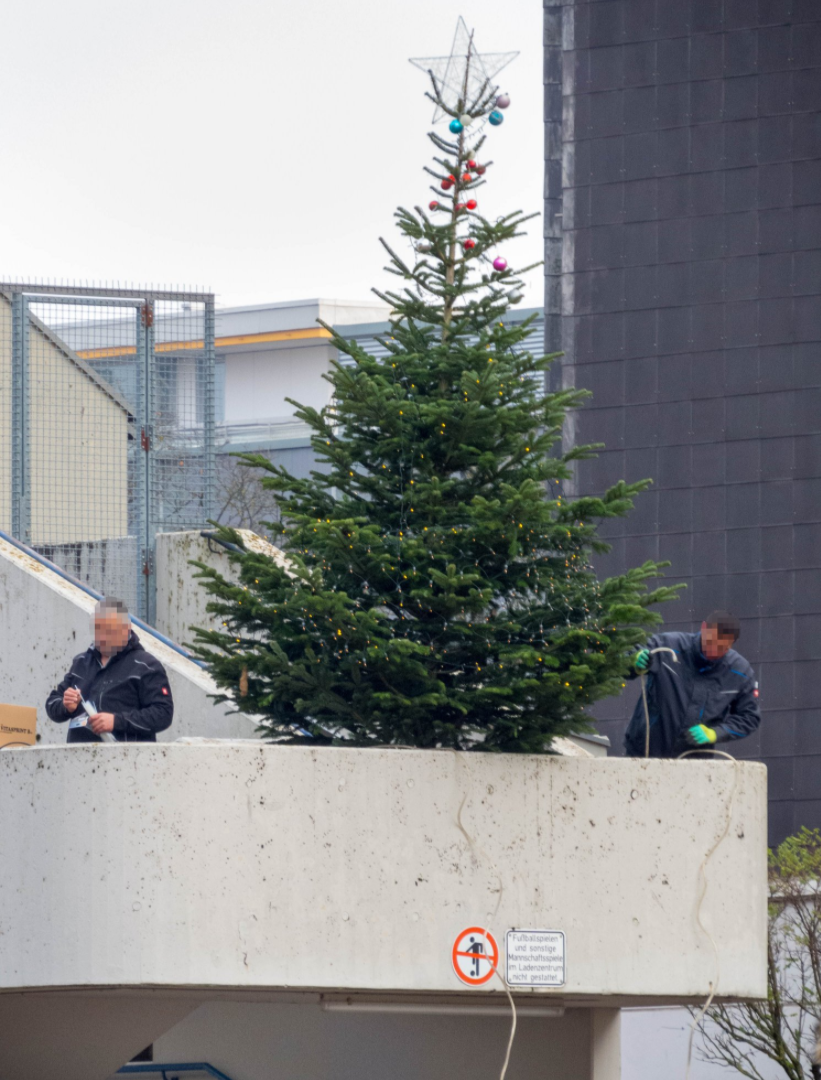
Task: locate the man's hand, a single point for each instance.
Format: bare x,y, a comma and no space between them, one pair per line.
701,735
71,699
101,721
642,660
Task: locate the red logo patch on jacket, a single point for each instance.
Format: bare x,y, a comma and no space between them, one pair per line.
165,690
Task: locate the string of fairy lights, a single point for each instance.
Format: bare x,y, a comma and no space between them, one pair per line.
548,564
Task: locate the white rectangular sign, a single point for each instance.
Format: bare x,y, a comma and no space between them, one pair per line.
535,958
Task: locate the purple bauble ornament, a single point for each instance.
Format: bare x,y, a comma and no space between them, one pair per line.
499,263
502,101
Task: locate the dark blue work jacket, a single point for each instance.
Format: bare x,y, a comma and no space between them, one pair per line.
133,686
722,694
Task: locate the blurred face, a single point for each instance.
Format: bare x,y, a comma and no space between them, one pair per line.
714,644
111,630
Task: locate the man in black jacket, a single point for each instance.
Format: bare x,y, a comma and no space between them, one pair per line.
705,694
127,686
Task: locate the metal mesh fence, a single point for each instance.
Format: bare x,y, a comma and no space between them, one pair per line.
109,436
6,436
78,431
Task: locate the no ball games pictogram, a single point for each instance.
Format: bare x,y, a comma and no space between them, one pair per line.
475,955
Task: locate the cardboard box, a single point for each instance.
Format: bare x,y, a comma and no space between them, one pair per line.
18,725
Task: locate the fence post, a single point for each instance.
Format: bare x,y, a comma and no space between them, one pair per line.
209,426
20,420
145,495
152,511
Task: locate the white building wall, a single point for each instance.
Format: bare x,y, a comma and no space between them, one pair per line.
655,1042
257,383
291,315
187,414
260,375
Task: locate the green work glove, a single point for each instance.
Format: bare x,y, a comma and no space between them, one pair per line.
701,735
642,660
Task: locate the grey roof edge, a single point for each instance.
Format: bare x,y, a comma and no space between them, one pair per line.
348,330
309,301
221,351
260,446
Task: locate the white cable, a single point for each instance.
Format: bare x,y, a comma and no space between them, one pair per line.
702,870
713,986
661,648
476,852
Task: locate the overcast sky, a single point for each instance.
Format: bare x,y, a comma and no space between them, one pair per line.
254,147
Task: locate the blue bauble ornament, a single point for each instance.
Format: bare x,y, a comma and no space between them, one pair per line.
496,118
455,126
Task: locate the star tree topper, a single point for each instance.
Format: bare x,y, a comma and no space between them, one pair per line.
462,75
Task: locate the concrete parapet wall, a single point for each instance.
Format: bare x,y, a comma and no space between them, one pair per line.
286,868
181,598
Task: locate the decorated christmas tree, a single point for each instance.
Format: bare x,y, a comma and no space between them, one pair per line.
439,590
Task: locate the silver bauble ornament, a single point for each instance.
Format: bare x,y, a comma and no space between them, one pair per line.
424,248
502,101
515,297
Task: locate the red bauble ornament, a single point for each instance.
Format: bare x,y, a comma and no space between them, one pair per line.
452,178
460,206
467,178
446,185
470,244
471,164
472,204
481,170
433,204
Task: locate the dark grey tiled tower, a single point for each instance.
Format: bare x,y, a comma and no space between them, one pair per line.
683,282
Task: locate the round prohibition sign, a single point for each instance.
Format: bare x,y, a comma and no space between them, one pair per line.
475,955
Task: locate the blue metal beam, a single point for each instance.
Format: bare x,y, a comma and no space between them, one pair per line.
156,1067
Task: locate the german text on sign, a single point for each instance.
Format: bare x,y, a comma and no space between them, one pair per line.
535,958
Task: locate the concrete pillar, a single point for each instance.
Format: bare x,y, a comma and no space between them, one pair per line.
605,1051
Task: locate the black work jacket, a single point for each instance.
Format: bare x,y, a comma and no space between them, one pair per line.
133,686
722,694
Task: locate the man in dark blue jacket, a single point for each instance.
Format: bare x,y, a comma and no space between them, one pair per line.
705,694
127,685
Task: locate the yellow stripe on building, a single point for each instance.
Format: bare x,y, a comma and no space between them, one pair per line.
316,333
